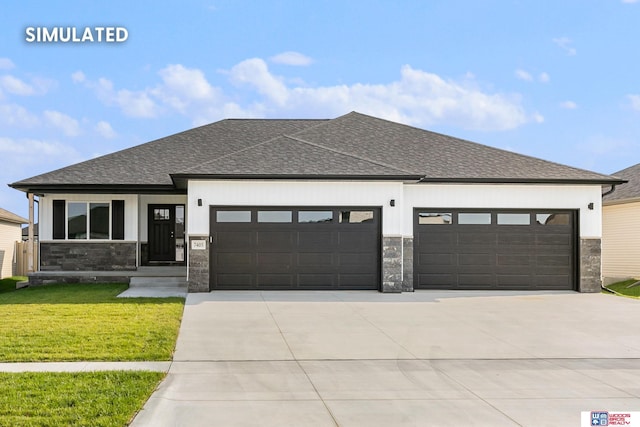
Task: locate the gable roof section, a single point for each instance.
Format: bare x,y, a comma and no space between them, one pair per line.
628,192
151,164
351,146
7,216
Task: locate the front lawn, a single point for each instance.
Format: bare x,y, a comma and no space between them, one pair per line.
622,288
74,399
9,284
75,322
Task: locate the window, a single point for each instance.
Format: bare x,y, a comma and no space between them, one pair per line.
315,216
161,214
77,221
233,216
275,216
355,217
553,219
99,220
514,219
474,218
88,220
434,218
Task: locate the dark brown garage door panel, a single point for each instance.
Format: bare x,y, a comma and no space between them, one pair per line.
505,254
295,248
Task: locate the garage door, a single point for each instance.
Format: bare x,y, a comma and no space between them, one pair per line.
455,249
295,248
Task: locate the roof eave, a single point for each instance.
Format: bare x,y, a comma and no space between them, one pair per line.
523,181
97,188
178,178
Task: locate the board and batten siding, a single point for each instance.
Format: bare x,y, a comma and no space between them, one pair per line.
130,212
10,233
621,241
396,220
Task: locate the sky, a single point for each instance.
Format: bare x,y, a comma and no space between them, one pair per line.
558,80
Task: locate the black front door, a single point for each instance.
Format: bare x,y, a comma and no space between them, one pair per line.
162,233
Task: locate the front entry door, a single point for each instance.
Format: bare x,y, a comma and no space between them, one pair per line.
166,233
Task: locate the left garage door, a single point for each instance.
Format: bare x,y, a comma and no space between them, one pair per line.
295,248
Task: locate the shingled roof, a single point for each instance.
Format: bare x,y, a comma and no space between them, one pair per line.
7,216
351,146
629,191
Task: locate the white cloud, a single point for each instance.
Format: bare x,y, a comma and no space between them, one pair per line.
523,75
182,86
565,44
544,77
635,101
6,64
78,77
255,72
19,160
291,58
16,86
68,125
417,97
132,103
568,105
105,130
16,115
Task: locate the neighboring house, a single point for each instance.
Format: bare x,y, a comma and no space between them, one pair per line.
354,202
25,233
621,229
10,233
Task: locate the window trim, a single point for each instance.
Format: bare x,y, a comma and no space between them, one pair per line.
60,220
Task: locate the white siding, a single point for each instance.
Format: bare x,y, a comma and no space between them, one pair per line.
10,233
130,211
621,241
509,196
398,220
293,193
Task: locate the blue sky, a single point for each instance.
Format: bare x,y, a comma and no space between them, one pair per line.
556,80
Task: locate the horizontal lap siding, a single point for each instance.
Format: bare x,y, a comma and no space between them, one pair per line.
621,241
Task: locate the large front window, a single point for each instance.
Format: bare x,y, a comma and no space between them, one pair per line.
88,220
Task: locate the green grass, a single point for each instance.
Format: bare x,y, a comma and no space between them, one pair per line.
75,322
9,284
621,288
74,399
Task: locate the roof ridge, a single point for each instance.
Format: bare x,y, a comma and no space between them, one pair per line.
375,162
230,154
467,141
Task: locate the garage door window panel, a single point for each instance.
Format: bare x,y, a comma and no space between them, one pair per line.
275,216
468,218
435,218
315,217
233,216
514,219
553,219
356,216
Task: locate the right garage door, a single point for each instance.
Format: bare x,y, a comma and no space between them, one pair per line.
494,249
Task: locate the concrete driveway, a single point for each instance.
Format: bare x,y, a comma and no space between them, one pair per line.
426,358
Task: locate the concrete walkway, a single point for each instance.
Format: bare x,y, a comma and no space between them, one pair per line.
423,358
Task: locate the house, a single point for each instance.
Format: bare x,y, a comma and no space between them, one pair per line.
354,202
621,229
25,233
10,233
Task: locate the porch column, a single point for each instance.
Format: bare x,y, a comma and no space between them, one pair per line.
30,266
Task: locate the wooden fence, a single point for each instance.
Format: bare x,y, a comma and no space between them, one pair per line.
22,259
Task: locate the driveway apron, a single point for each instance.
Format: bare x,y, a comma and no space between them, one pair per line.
412,359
